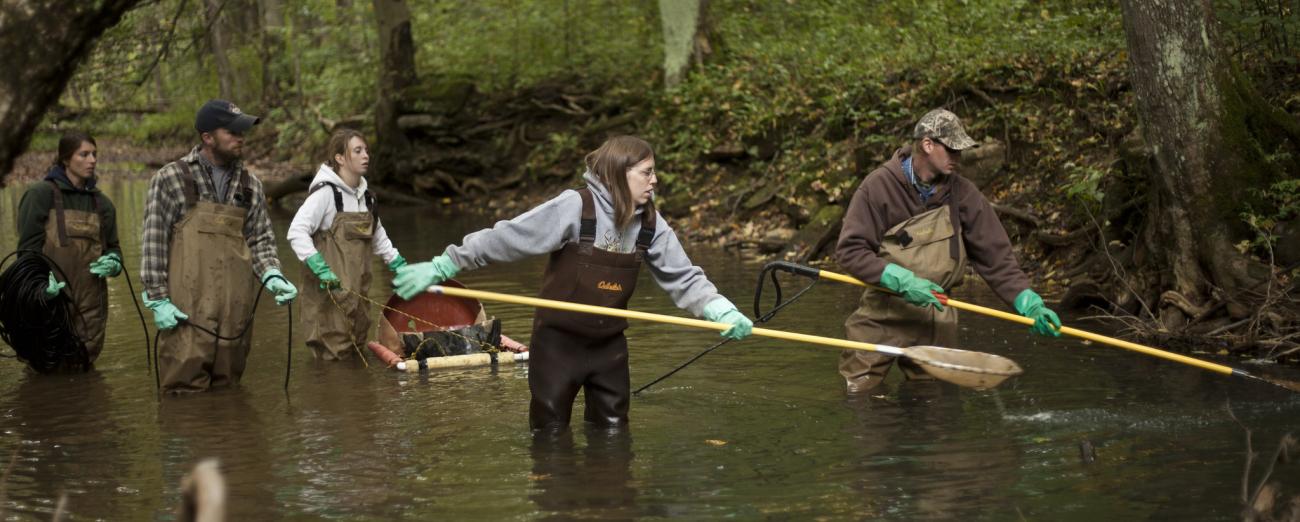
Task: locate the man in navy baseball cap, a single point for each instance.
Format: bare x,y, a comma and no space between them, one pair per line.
206,243
221,114
221,127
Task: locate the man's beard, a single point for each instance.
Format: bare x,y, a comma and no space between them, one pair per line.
225,156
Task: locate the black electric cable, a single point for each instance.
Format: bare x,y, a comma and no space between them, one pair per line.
243,331
143,326
288,351
760,318
39,328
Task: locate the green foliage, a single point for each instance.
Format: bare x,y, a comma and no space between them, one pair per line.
178,122
1084,183
1264,30
148,76
43,141
815,79
504,44
1279,203
550,156
799,85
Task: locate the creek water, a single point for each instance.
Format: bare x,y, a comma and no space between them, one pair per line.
758,429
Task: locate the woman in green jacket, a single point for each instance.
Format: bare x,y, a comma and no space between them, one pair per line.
75,225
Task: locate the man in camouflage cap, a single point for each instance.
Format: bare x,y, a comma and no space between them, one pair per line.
912,226
943,126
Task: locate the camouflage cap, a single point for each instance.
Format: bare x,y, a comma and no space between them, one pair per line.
944,126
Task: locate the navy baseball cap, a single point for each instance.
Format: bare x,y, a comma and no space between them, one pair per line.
221,114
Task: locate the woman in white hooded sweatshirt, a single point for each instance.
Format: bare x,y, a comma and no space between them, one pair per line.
334,233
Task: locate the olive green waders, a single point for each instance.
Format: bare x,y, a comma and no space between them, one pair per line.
335,320
210,278
929,245
74,239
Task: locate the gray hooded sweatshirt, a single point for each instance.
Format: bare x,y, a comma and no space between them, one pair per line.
549,226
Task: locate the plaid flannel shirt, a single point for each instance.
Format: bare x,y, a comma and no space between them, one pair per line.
165,206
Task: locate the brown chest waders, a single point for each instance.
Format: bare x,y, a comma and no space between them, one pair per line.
572,351
930,245
210,278
73,240
334,320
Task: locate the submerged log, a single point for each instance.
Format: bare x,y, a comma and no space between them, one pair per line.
278,191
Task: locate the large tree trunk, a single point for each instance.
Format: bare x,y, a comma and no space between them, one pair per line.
396,75
41,44
1206,129
685,36
217,44
272,51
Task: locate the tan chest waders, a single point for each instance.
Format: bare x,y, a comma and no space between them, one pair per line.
210,278
337,322
930,245
74,239
573,351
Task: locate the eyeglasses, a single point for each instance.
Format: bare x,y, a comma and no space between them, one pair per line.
647,174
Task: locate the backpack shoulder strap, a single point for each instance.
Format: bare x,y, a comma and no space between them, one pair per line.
587,235
648,222
338,196
372,205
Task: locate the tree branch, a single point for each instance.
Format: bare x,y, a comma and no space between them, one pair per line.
1022,215
166,45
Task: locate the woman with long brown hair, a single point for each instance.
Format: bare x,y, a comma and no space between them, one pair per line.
69,220
334,233
597,237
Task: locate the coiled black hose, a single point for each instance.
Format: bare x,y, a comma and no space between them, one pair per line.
39,328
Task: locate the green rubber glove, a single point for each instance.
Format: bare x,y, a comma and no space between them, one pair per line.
322,270
280,286
915,290
108,265
398,262
54,287
413,279
1030,305
723,311
165,314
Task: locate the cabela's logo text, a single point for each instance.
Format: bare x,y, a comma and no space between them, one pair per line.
612,287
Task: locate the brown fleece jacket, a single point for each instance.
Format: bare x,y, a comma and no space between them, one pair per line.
886,198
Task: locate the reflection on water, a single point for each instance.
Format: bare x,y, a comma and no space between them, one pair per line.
564,476
757,429
912,434
223,424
